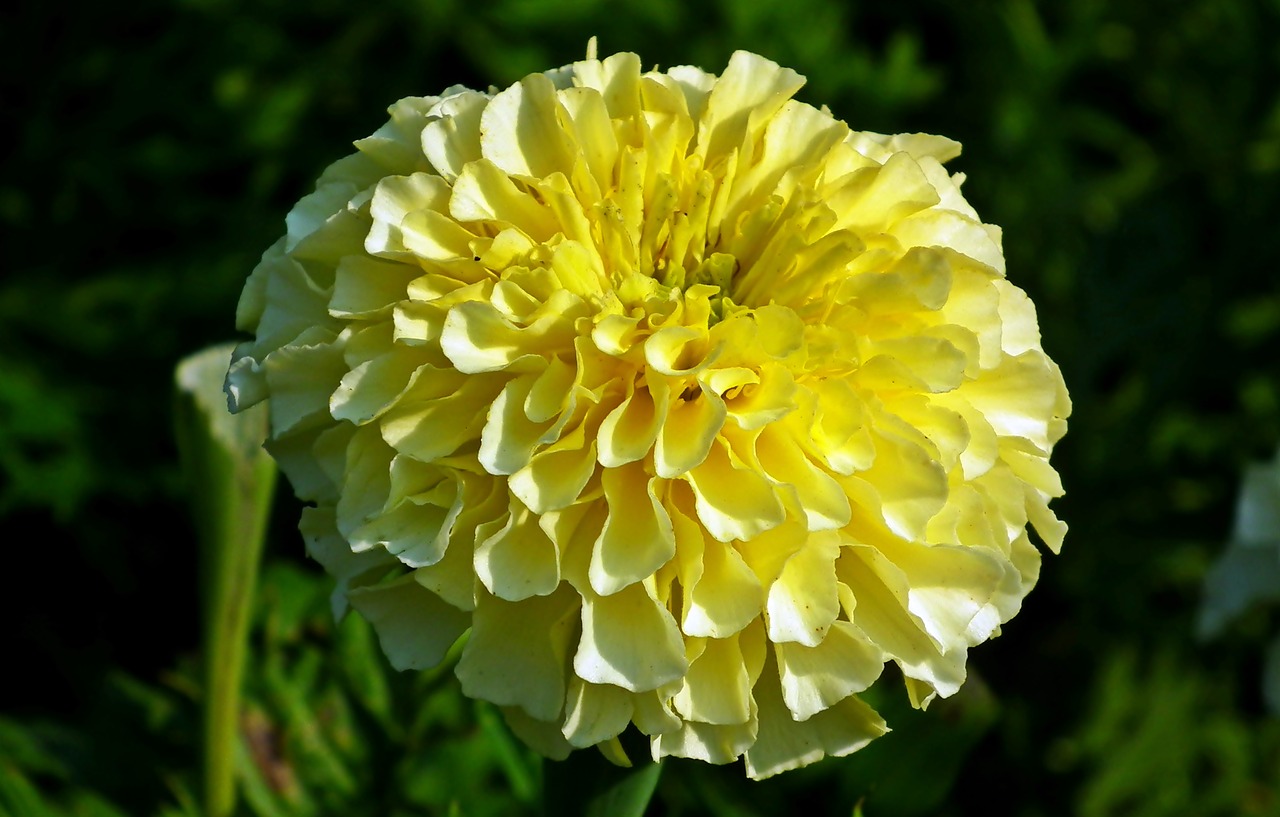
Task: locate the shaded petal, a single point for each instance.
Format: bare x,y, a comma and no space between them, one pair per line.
518,652
783,744
544,737
717,688
415,626
518,560
328,547
300,379
595,713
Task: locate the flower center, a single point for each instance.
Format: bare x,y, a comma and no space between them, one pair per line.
717,271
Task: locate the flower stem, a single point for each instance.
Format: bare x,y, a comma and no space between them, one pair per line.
231,581
231,482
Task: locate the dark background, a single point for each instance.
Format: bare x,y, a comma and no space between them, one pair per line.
1131,152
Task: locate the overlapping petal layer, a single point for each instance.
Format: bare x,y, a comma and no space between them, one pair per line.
695,405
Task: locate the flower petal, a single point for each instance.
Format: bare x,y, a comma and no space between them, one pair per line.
717,688
733,502
521,131
782,743
630,641
816,678
518,651
518,560
415,626
595,713
637,538
803,602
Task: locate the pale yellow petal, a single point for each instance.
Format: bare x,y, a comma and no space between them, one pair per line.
368,390
909,485
630,430
414,626
803,603
1018,399
825,504
517,652
452,140
953,591
727,595
783,744
595,713
717,688
708,742
816,678
592,131
883,597
518,560
733,501
438,413
688,432
630,641
637,538
556,476
395,146
484,193
521,130
509,436
748,93
478,338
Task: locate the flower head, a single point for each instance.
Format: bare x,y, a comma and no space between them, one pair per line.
695,406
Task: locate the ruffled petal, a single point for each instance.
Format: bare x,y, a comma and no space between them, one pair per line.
414,626
518,651
782,743
630,641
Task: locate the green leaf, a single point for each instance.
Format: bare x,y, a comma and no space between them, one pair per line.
362,665
587,784
512,757
19,797
628,797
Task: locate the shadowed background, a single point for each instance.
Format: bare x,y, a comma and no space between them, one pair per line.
1131,153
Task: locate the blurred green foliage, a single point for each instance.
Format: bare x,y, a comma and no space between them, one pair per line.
1131,152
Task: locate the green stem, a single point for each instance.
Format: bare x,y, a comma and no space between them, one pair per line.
230,482
230,581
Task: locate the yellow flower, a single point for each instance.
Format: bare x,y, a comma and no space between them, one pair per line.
695,406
